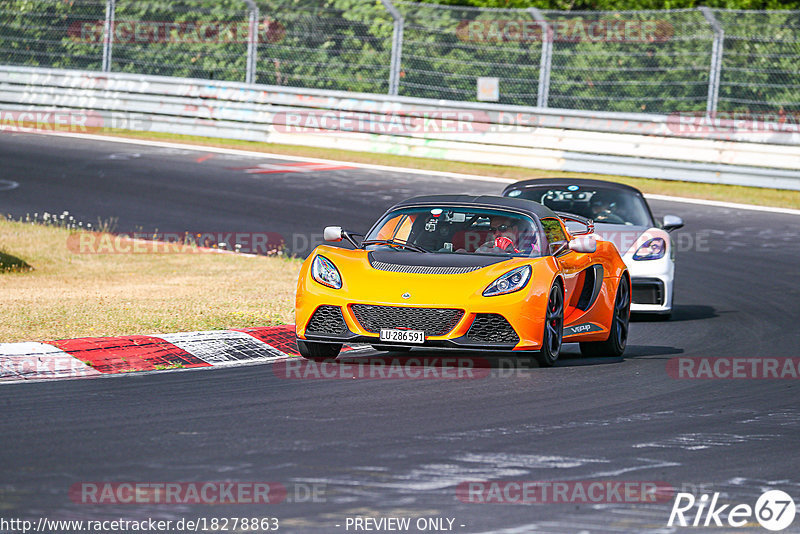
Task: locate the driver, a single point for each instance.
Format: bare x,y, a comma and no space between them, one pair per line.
602,209
502,237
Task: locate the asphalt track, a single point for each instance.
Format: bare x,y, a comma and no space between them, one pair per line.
401,447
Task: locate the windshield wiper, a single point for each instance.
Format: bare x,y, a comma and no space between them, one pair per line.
390,242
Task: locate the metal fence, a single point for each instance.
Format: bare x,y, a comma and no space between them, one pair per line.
695,60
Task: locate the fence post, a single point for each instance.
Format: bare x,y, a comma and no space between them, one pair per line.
715,70
108,34
545,60
252,42
397,47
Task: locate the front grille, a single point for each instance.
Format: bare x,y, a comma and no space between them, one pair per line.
492,328
648,292
420,269
434,321
327,320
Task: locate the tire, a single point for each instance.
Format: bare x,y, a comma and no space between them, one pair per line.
390,348
318,352
614,346
553,328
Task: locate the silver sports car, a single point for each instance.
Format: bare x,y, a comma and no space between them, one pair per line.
621,215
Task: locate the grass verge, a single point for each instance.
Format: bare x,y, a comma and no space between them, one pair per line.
69,295
728,193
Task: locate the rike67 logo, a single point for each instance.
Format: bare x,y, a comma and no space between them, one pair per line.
774,510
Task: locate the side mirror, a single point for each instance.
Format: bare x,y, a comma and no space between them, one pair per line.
333,233
337,234
568,218
672,222
584,244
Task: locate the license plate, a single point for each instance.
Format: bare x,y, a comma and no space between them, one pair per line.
402,336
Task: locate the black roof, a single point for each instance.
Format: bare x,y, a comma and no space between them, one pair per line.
564,181
486,201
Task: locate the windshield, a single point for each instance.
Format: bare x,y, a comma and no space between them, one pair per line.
452,230
609,206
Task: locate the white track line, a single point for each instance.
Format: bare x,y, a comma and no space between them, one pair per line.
721,204
7,185
455,175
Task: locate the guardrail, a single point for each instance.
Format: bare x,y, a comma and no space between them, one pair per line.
675,147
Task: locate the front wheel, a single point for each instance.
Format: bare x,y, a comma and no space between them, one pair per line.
618,336
553,328
318,352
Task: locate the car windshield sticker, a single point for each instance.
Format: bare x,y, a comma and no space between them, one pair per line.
573,188
454,217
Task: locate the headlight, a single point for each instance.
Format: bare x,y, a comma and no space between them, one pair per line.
652,249
509,282
325,272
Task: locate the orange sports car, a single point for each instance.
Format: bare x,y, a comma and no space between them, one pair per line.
465,272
